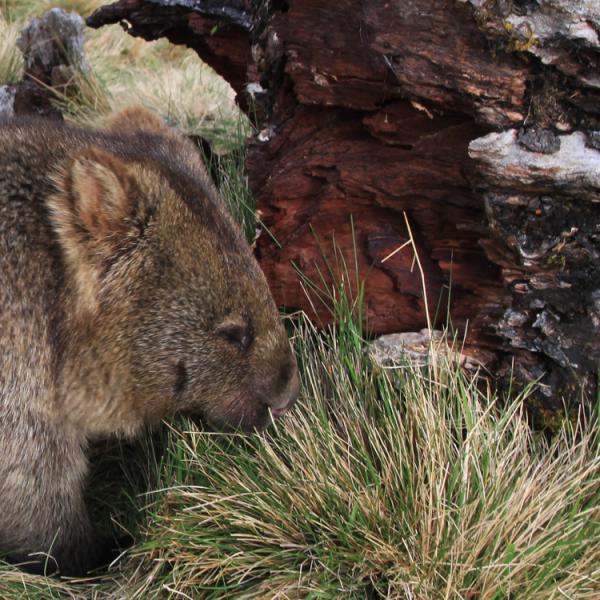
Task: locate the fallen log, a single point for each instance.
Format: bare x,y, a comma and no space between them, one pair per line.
466,133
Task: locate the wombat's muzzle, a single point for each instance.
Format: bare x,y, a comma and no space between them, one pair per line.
284,402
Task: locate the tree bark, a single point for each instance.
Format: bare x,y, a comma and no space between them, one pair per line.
475,124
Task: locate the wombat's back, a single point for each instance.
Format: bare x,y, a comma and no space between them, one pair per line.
31,269
29,272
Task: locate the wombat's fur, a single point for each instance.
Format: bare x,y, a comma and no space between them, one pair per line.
127,293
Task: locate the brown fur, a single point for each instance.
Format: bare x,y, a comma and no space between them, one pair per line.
127,294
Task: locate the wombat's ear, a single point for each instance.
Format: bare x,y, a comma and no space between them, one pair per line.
93,213
99,198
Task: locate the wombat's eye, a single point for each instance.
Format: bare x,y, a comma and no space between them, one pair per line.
236,334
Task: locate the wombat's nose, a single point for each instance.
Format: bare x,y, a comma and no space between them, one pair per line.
280,405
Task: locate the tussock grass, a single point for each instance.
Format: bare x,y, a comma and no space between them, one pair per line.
168,79
170,87
11,60
20,10
413,483
227,169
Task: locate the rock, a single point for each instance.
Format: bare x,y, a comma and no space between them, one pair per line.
52,44
7,101
398,349
421,348
52,48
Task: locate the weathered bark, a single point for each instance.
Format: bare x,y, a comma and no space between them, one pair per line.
474,122
217,31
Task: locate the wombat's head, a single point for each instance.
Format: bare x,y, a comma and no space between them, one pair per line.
165,289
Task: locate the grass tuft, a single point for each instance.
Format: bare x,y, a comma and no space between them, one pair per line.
415,483
11,60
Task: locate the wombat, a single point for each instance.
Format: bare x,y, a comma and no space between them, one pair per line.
127,293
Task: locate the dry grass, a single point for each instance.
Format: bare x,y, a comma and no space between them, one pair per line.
11,60
172,81
20,10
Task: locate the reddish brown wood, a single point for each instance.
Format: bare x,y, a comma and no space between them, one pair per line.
326,176
360,54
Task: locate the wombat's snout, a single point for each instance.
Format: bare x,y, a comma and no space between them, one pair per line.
281,404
